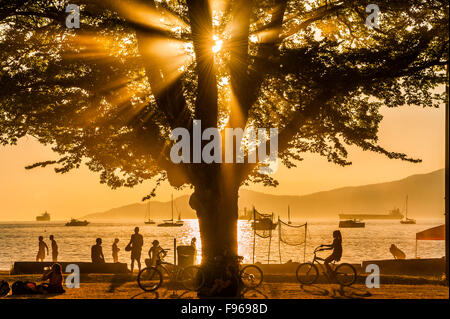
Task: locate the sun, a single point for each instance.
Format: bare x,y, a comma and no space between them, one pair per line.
217,44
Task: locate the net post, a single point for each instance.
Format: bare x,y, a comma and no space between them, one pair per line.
175,251
304,248
279,238
254,233
270,240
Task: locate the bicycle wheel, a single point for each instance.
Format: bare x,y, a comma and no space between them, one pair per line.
307,273
345,274
192,278
251,276
150,279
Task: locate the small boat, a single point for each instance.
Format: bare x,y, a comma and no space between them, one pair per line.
264,222
407,220
45,217
76,222
351,223
172,222
149,221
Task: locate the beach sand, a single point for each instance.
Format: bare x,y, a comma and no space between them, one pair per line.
96,286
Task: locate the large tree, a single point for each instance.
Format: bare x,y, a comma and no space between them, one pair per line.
109,93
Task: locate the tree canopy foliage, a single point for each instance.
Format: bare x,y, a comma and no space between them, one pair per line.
109,93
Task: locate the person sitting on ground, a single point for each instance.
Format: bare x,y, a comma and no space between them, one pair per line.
227,281
336,246
97,252
155,253
41,251
396,252
115,251
226,285
55,281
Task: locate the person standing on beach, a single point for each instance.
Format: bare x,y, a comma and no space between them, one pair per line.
97,252
115,251
194,245
135,245
42,247
54,249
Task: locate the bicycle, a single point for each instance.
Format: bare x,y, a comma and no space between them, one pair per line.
308,273
151,278
251,275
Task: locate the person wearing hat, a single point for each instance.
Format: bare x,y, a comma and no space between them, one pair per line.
155,253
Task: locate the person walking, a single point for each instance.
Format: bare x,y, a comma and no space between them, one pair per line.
41,250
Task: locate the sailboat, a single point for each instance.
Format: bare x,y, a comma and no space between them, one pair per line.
289,215
149,221
407,220
171,222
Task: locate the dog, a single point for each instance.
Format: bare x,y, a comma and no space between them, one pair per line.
396,252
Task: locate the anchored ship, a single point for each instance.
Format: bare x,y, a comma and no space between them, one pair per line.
351,223
171,222
407,220
149,221
76,222
45,217
393,214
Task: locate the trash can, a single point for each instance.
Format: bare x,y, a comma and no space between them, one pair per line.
186,255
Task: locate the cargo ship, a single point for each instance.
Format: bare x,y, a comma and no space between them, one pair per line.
393,214
45,217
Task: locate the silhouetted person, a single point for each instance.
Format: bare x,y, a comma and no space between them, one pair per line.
115,251
55,278
136,243
336,246
42,248
155,253
225,285
97,252
396,252
194,245
54,249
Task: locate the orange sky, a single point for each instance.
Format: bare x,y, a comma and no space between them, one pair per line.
24,194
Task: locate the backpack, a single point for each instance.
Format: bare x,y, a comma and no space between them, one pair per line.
23,288
4,288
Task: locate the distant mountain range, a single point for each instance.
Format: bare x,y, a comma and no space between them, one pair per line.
425,192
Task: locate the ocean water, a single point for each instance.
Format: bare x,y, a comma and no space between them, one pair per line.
19,241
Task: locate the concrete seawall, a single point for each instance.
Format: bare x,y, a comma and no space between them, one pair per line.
32,267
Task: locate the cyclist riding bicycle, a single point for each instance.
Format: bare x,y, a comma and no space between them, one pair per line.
336,246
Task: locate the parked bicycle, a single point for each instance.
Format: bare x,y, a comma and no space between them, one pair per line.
151,278
251,275
308,273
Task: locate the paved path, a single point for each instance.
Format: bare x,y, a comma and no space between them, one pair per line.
125,290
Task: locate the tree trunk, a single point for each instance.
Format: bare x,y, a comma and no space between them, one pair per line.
216,203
